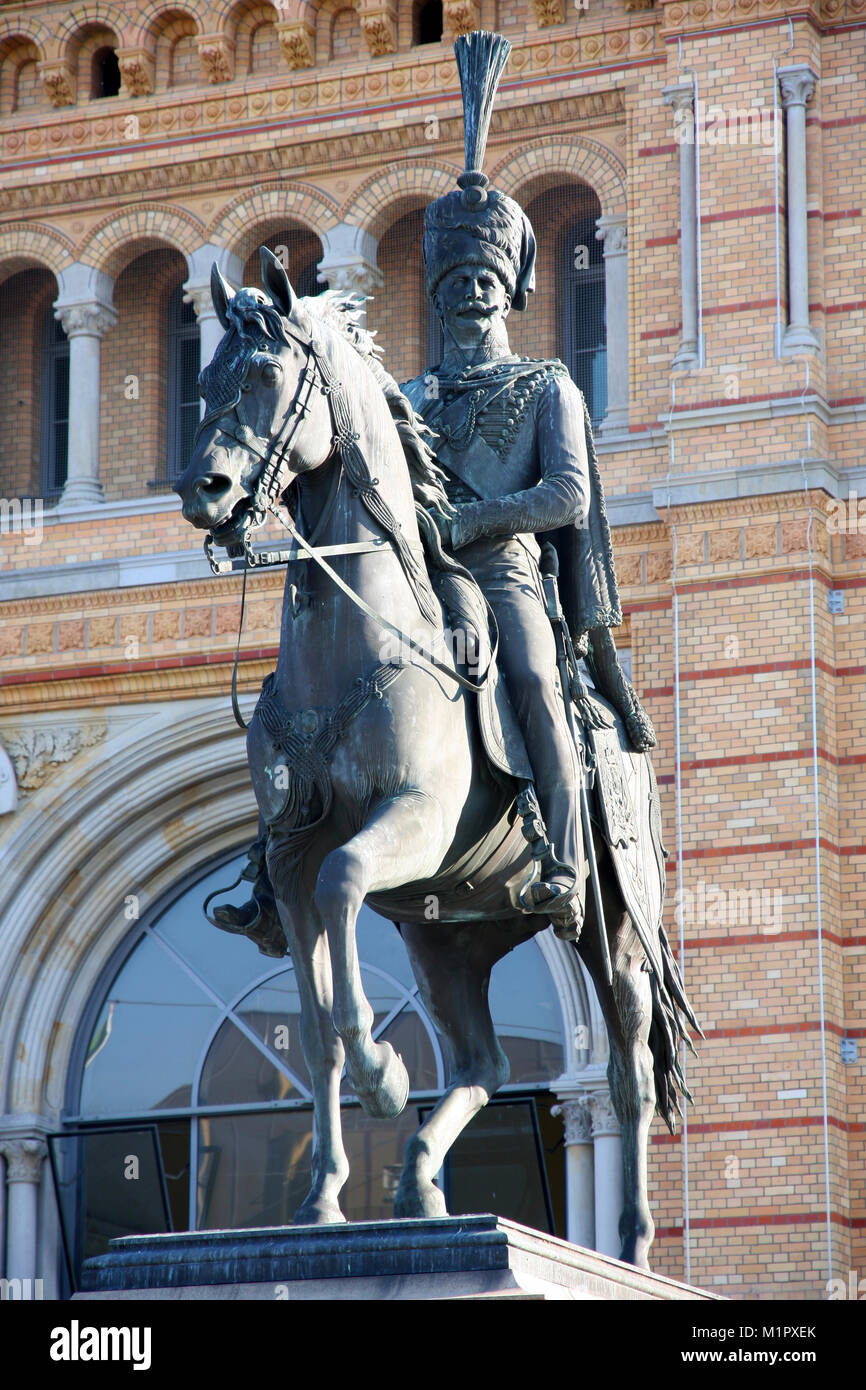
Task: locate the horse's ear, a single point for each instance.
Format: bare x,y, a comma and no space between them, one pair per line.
220,292
276,282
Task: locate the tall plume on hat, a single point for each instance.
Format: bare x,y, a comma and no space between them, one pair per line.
476,224
481,59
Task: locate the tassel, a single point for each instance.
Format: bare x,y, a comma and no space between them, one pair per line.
481,58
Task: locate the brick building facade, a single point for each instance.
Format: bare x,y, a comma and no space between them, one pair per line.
715,150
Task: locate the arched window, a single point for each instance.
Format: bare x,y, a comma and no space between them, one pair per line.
196,1034
584,323
104,73
308,281
428,22
55,406
184,365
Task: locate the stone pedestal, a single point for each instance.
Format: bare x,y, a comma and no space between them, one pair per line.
465,1257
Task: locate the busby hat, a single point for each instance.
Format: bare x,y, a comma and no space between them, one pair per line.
475,224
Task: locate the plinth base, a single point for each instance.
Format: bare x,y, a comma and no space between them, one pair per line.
457,1257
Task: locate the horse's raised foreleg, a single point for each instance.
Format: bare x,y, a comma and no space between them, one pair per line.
399,844
452,963
627,1009
323,1053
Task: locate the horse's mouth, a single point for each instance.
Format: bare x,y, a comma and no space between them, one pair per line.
239,520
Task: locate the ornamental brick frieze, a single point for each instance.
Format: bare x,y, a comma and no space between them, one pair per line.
39,132
128,687
684,15
724,509
312,157
35,752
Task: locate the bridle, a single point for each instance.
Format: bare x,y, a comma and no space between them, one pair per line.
315,373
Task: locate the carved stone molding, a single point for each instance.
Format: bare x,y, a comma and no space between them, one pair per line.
577,1119
358,278
217,57
460,17
613,232
797,85
136,69
24,1159
35,751
8,784
298,44
59,82
379,27
200,298
91,320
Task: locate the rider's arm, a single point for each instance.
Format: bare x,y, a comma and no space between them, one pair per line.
563,493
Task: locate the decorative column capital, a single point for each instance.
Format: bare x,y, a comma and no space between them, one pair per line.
460,17
604,1120
576,1117
217,57
24,1159
349,261
548,12
797,85
136,68
91,320
297,43
612,231
379,27
681,96
58,80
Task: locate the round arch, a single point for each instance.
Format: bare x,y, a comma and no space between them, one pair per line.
382,198
24,29
27,244
235,225
107,246
95,12
586,160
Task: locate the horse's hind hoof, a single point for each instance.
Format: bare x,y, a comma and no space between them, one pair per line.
319,1214
386,1094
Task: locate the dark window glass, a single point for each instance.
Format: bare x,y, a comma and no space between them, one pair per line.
105,73
184,359
584,325
428,23
55,405
308,282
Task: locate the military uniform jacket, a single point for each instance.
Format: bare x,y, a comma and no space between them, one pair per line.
515,440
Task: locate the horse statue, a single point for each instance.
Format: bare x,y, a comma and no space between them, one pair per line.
369,758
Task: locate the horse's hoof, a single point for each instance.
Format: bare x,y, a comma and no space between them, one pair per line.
385,1096
418,1200
319,1213
636,1254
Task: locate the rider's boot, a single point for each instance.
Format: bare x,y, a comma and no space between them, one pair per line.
258,917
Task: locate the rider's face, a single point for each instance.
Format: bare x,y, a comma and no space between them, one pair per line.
470,300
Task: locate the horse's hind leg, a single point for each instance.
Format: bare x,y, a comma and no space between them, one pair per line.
323,1053
452,964
399,844
627,1009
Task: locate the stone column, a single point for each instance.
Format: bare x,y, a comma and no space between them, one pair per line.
84,308
797,85
682,98
197,292
349,260
24,1158
613,232
607,1146
579,1169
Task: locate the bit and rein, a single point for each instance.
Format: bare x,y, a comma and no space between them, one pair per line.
266,497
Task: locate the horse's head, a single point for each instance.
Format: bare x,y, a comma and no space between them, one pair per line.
264,421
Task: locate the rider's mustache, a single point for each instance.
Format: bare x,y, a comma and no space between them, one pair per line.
478,305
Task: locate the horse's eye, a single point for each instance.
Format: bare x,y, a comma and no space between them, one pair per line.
271,374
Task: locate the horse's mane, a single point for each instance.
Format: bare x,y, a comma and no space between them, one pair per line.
343,313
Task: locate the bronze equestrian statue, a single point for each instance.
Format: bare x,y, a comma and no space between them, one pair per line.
387,771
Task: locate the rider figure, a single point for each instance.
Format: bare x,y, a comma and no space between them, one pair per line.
514,440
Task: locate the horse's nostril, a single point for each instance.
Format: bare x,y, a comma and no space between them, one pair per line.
213,484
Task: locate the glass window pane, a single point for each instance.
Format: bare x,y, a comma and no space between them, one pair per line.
148,1039
226,963
236,1072
408,1036
375,1152
253,1170
380,943
527,1015
496,1166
